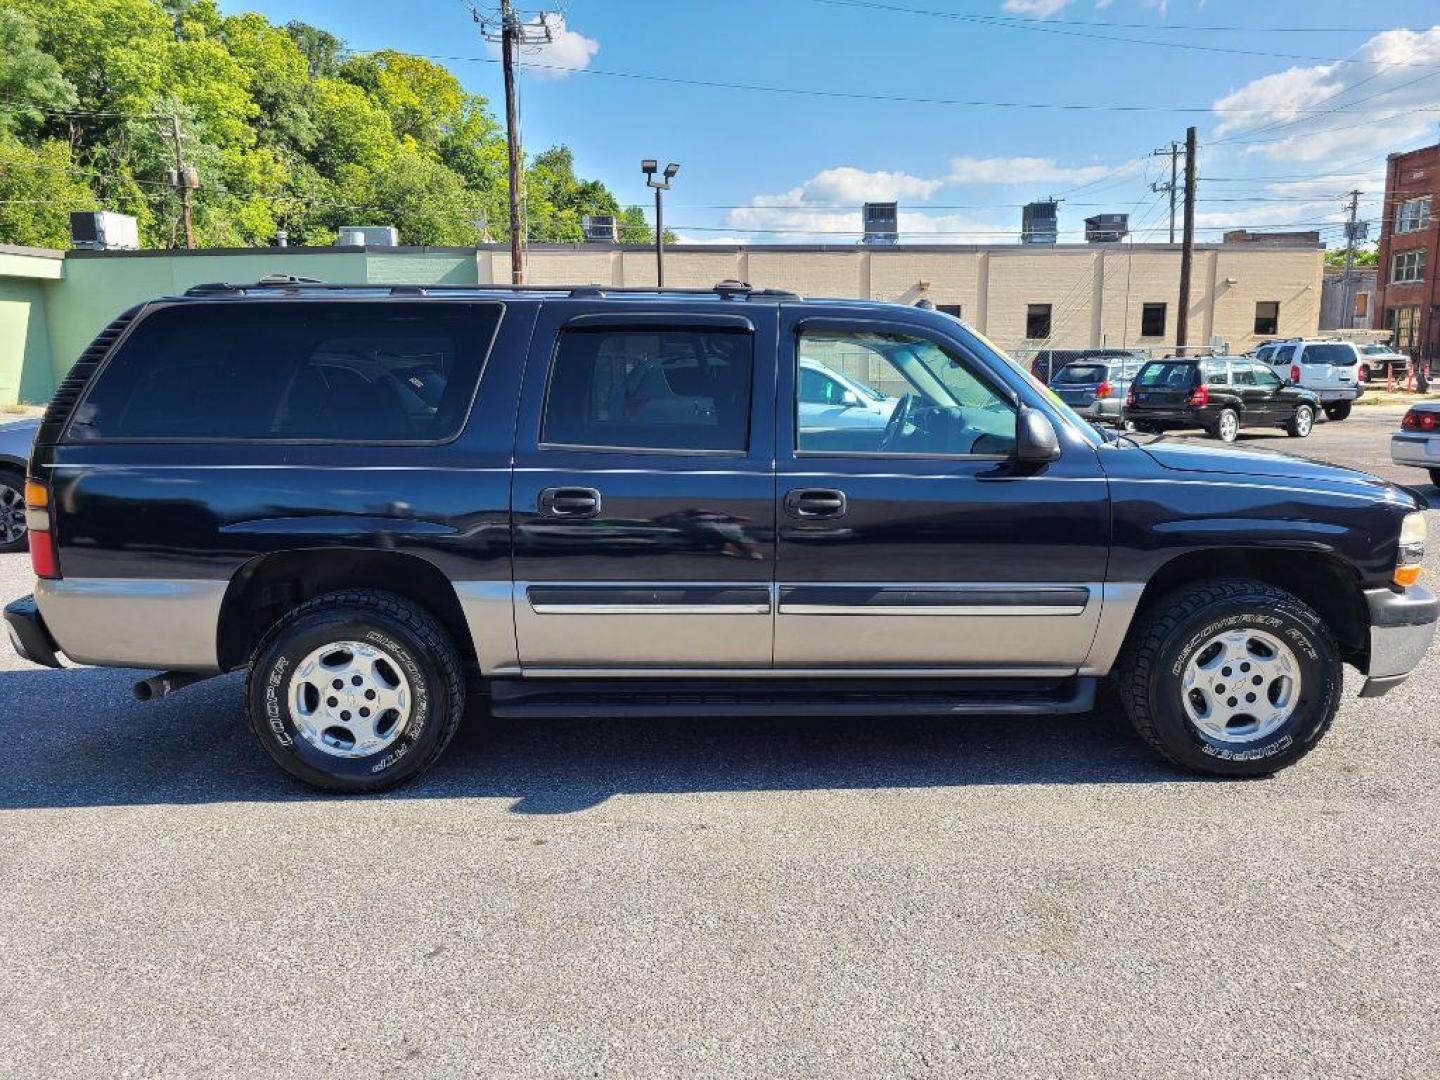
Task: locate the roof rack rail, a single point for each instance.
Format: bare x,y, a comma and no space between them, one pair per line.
726,290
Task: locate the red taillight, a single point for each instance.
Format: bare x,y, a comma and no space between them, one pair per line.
1104,390
41,533
1131,396
1200,395
1295,373
1361,374
1420,420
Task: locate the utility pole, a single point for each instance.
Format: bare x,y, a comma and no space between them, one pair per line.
1187,251
510,35
1173,153
1352,233
183,179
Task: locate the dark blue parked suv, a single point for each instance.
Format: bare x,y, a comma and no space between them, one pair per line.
376,499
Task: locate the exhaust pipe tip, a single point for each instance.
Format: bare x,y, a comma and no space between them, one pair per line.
144,690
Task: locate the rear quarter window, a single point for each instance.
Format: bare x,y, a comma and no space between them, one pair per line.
292,371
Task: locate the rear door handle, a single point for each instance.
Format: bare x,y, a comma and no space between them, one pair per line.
812,503
570,502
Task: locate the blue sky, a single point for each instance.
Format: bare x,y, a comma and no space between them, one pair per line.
1282,135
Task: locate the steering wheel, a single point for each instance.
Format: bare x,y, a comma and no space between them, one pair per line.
899,417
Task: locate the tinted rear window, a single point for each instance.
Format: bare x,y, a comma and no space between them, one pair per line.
1082,373
655,389
321,371
1328,354
1161,375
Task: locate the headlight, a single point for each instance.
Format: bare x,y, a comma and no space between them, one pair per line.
1412,549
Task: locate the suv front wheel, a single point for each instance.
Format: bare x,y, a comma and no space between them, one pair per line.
1231,676
355,691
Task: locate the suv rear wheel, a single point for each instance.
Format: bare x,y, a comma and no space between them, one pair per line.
1301,423
1231,676
1227,426
355,691
1338,411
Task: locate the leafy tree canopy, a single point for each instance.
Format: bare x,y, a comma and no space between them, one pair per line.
286,128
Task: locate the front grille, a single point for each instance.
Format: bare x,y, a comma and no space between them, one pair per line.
57,413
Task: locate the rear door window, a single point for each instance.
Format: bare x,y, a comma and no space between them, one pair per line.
292,371
661,389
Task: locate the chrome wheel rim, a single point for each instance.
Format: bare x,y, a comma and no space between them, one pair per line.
1229,426
1303,420
349,699
12,514
1241,686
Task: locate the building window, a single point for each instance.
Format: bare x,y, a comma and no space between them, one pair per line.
1408,266
1362,305
1267,317
1405,322
1152,320
1037,321
957,310
1412,215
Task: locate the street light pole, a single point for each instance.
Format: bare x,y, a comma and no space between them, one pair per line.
649,167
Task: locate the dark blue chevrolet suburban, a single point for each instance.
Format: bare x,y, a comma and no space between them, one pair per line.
377,499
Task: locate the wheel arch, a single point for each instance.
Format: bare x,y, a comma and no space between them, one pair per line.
1323,580
267,586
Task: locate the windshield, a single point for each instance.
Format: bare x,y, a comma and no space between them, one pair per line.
1376,350
1327,354
1086,429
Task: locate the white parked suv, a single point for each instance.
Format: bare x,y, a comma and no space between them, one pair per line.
1329,367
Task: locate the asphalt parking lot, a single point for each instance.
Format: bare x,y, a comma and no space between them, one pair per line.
718,898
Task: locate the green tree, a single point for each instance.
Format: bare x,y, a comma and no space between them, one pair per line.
31,82
1335,257
39,186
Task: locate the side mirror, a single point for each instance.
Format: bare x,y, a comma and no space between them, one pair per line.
1035,440
849,399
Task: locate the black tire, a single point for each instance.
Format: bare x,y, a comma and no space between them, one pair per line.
1338,411
12,512
1299,426
415,646
1218,429
1177,626
1434,476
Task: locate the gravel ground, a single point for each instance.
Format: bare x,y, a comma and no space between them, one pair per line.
717,898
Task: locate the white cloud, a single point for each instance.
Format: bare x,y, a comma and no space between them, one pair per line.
1039,9
566,52
1283,99
847,184
1025,170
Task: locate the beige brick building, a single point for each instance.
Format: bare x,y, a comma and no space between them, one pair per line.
1096,294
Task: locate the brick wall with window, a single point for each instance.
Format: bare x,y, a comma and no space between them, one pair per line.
1406,300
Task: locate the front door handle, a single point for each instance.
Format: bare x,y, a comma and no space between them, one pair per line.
812,503
570,502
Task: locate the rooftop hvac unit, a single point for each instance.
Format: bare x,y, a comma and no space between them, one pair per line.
1040,222
881,222
100,230
369,236
1107,228
601,228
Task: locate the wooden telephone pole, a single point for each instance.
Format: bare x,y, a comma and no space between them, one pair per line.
510,34
184,180
1187,249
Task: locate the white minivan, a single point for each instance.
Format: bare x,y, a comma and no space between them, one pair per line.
1329,367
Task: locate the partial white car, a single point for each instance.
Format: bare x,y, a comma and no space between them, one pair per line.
1417,443
831,401
1328,366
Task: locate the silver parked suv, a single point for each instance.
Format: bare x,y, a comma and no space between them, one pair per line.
1330,367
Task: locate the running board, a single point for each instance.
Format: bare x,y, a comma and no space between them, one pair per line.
791,697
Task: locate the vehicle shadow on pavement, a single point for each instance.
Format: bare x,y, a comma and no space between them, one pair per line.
77,738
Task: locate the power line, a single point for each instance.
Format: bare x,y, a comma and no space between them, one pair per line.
847,95
1183,27
1036,26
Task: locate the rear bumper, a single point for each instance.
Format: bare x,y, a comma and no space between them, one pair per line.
1329,397
28,633
1402,625
1422,451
